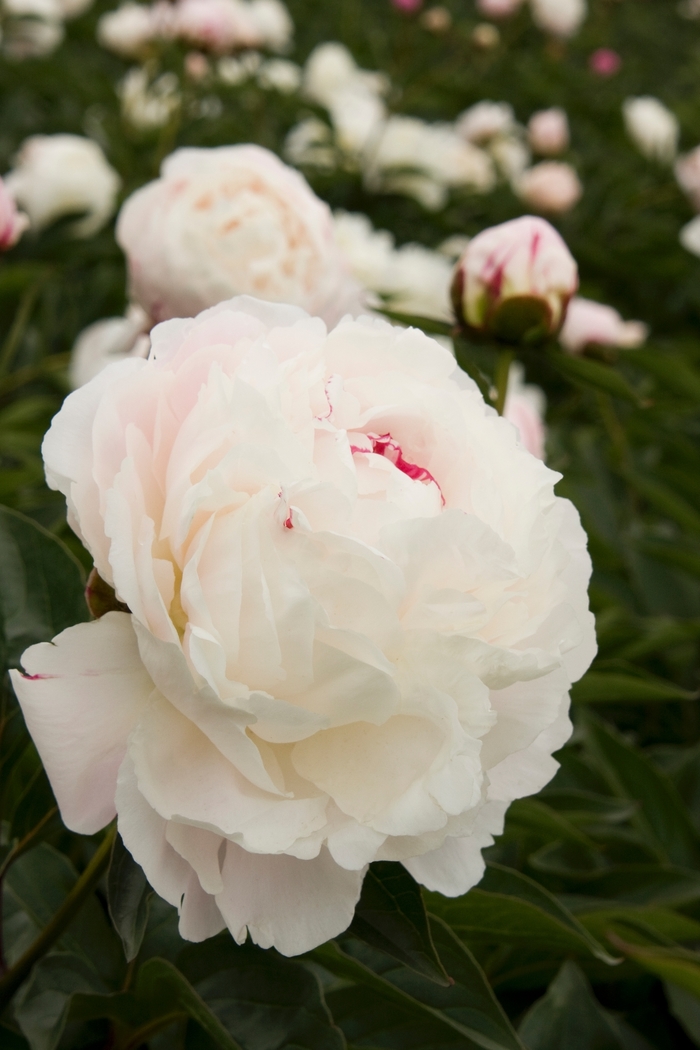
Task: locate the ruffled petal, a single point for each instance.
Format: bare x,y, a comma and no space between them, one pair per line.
81,696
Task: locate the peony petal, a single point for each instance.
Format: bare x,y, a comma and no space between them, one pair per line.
81,696
292,905
458,865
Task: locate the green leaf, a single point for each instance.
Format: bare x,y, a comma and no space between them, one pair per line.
671,369
43,1004
259,996
391,916
165,992
662,817
665,500
677,965
685,1007
588,373
569,1017
128,898
41,586
603,687
657,921
509,907
539,818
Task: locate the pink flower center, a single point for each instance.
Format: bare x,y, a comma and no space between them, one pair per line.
384,445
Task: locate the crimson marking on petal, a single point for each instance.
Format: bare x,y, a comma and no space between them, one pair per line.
288,523
384,445
37,677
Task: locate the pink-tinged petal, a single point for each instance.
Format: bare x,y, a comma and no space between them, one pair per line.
81,696
292,905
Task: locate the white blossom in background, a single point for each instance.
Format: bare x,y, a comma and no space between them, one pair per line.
31,28
562,18
352,96
689,236
13,223
485,120
280,75
148,106
130,29
525,408
588,322
54,176
410,280
356,610
551,187
687,170
548,131
653,128
107,341
511,156
234,71
227,221
498,8
440,159
524,259
274,24
309,144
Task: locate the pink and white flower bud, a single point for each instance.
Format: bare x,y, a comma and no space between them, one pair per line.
514,281
548,131
550,187
13,223
588,322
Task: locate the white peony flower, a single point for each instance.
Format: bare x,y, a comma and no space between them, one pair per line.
356,608
13,223
227,221
309,144
274,24
498,8
410,280
525,408
687,171
561,18
590,322
58,175
132,27
652,127
32,36
511,155
107,341
219,25
486,120
352,96
548,131
550,187
147,106
280,75
517,274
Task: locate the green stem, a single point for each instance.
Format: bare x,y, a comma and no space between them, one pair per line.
505,359
80,892
24,311
26,843
143,1034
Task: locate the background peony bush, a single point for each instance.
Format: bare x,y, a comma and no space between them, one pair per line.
421,853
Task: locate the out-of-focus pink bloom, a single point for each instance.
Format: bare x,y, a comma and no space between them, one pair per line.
219,25
524,408
605,62
196,65
408,6
688,175
498,8
550,187
13,223
588,322
548,131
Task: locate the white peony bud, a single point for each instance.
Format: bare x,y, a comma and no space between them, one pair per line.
652,127
107,341
274,25
515,281
280,75
218,25
58,175
548,131
131,28
590,323
13,223
690,236
562,18
550,187
485,120
687,171
525,407
232,220
356,607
